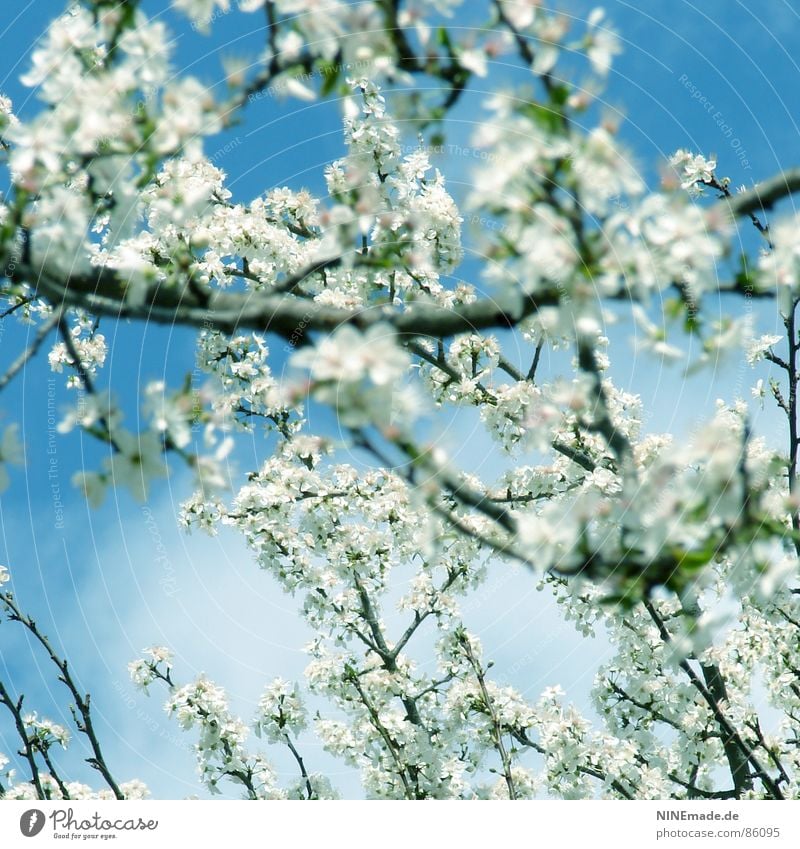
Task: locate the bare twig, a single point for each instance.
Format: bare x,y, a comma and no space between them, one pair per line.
28,750
83,718
41,334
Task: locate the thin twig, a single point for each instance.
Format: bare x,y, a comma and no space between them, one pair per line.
31,351
497,731
82,702
312,794
28,752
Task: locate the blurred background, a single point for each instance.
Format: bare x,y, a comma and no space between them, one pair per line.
105,583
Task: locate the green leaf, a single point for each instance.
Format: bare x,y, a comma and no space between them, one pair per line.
330,77
559,94
443,38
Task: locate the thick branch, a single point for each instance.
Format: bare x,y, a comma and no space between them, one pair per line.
766,194
731,737
102,292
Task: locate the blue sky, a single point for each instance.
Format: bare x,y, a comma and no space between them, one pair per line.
114,580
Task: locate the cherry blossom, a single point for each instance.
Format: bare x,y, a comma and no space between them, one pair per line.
682,549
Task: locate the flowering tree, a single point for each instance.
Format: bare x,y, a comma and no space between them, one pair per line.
685,554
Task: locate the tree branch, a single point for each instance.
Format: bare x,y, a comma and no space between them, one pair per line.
82,702
28,752
764,195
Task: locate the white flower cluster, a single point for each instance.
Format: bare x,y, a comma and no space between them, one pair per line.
90,347
680,506
281,711
780,267
653,540
51,789
220,749
156,663
695,170
44,732
358,374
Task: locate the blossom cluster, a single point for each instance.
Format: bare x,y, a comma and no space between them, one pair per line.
683,551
